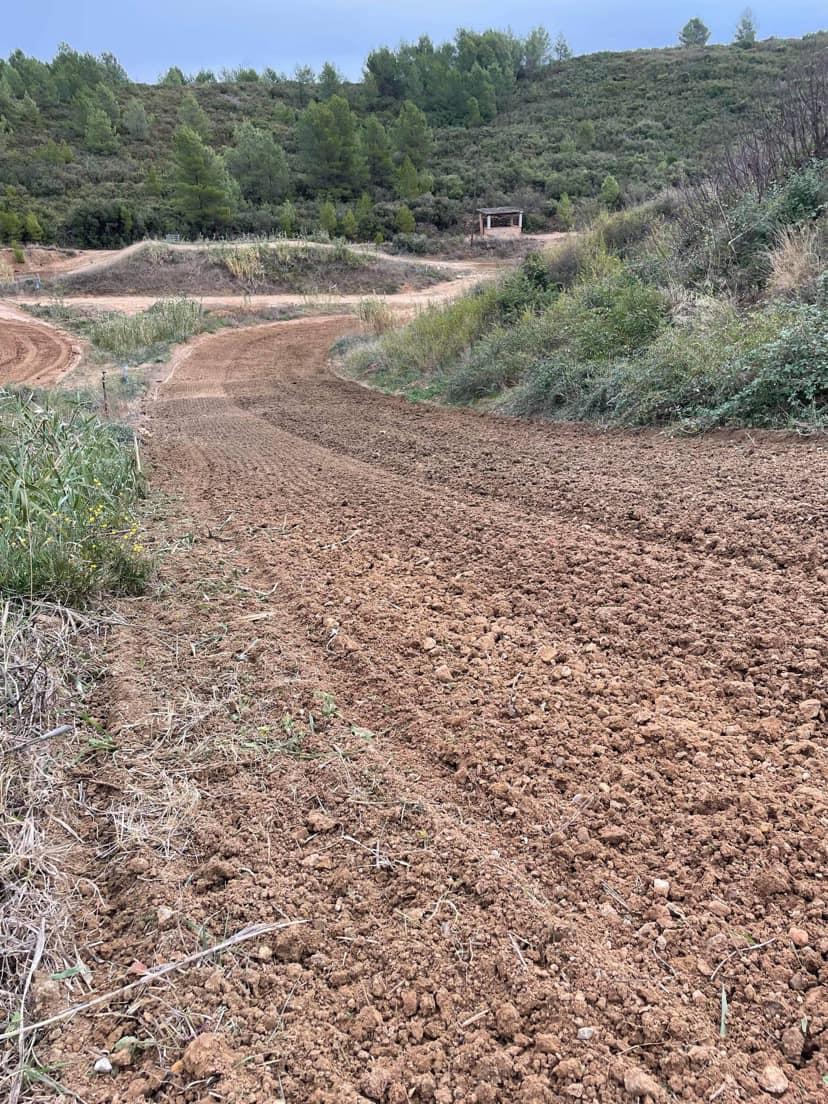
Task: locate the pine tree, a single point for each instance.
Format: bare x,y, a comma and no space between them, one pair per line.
405,220
407,185
365,216
694,33
202,191
349,225
330,81
610,194
412,135
327,140
173,77
564,212
32,230
99,135
258,164
327,218
561,49
287,219
305,78
537,49
376,150
746,30
473,116
135,120
192,115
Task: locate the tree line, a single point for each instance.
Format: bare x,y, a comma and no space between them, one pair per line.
429,132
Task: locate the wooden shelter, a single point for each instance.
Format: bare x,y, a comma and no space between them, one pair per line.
500,222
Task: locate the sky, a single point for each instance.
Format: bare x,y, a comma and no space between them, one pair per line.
149,36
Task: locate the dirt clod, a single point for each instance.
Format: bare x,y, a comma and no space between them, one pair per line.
639,1083
206,1055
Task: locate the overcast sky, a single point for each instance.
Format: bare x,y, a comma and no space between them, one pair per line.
150,35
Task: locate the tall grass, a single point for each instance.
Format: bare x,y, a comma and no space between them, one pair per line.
68,485
135,337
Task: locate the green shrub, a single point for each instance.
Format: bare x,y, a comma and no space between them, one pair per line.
686,370
68,485
785,380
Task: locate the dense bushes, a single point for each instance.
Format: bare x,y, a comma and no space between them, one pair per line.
625,325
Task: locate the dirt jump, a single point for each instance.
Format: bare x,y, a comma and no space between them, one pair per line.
507,737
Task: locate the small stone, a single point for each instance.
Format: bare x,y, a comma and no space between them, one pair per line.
661,887
585,1033
639,1083
103,1065
772,1080
124,1057
547,653
442,673
799,937
429,644
793,1043
264,953
164,916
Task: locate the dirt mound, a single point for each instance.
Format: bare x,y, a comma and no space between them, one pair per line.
234,269
526,722
31,353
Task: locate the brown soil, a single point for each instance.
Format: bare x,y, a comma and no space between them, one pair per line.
32,353
571,791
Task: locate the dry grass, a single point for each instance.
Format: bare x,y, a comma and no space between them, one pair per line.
376,315
794,261
40,666
244,262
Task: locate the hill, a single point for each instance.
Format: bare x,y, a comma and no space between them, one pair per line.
89,158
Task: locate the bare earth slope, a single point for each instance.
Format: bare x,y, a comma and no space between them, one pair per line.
458,691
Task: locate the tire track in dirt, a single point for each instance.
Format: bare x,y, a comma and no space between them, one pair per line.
33,353
576,753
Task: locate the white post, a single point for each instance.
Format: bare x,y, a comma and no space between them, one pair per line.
520,220
488,222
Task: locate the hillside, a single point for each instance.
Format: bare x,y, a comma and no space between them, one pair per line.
89,158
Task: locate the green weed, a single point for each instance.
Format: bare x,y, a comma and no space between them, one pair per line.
68,485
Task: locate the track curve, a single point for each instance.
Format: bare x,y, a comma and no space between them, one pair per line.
33,353
570,772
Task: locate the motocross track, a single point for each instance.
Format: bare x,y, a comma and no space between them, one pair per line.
456,691
33,353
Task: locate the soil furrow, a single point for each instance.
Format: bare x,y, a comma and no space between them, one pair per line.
527,721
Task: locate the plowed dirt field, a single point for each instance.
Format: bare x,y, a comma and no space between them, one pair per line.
524,722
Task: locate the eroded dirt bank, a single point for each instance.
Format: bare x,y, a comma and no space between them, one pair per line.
526,721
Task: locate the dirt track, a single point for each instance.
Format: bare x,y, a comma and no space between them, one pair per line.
458,691
31,352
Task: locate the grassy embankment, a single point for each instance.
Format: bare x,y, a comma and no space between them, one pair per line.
680,311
